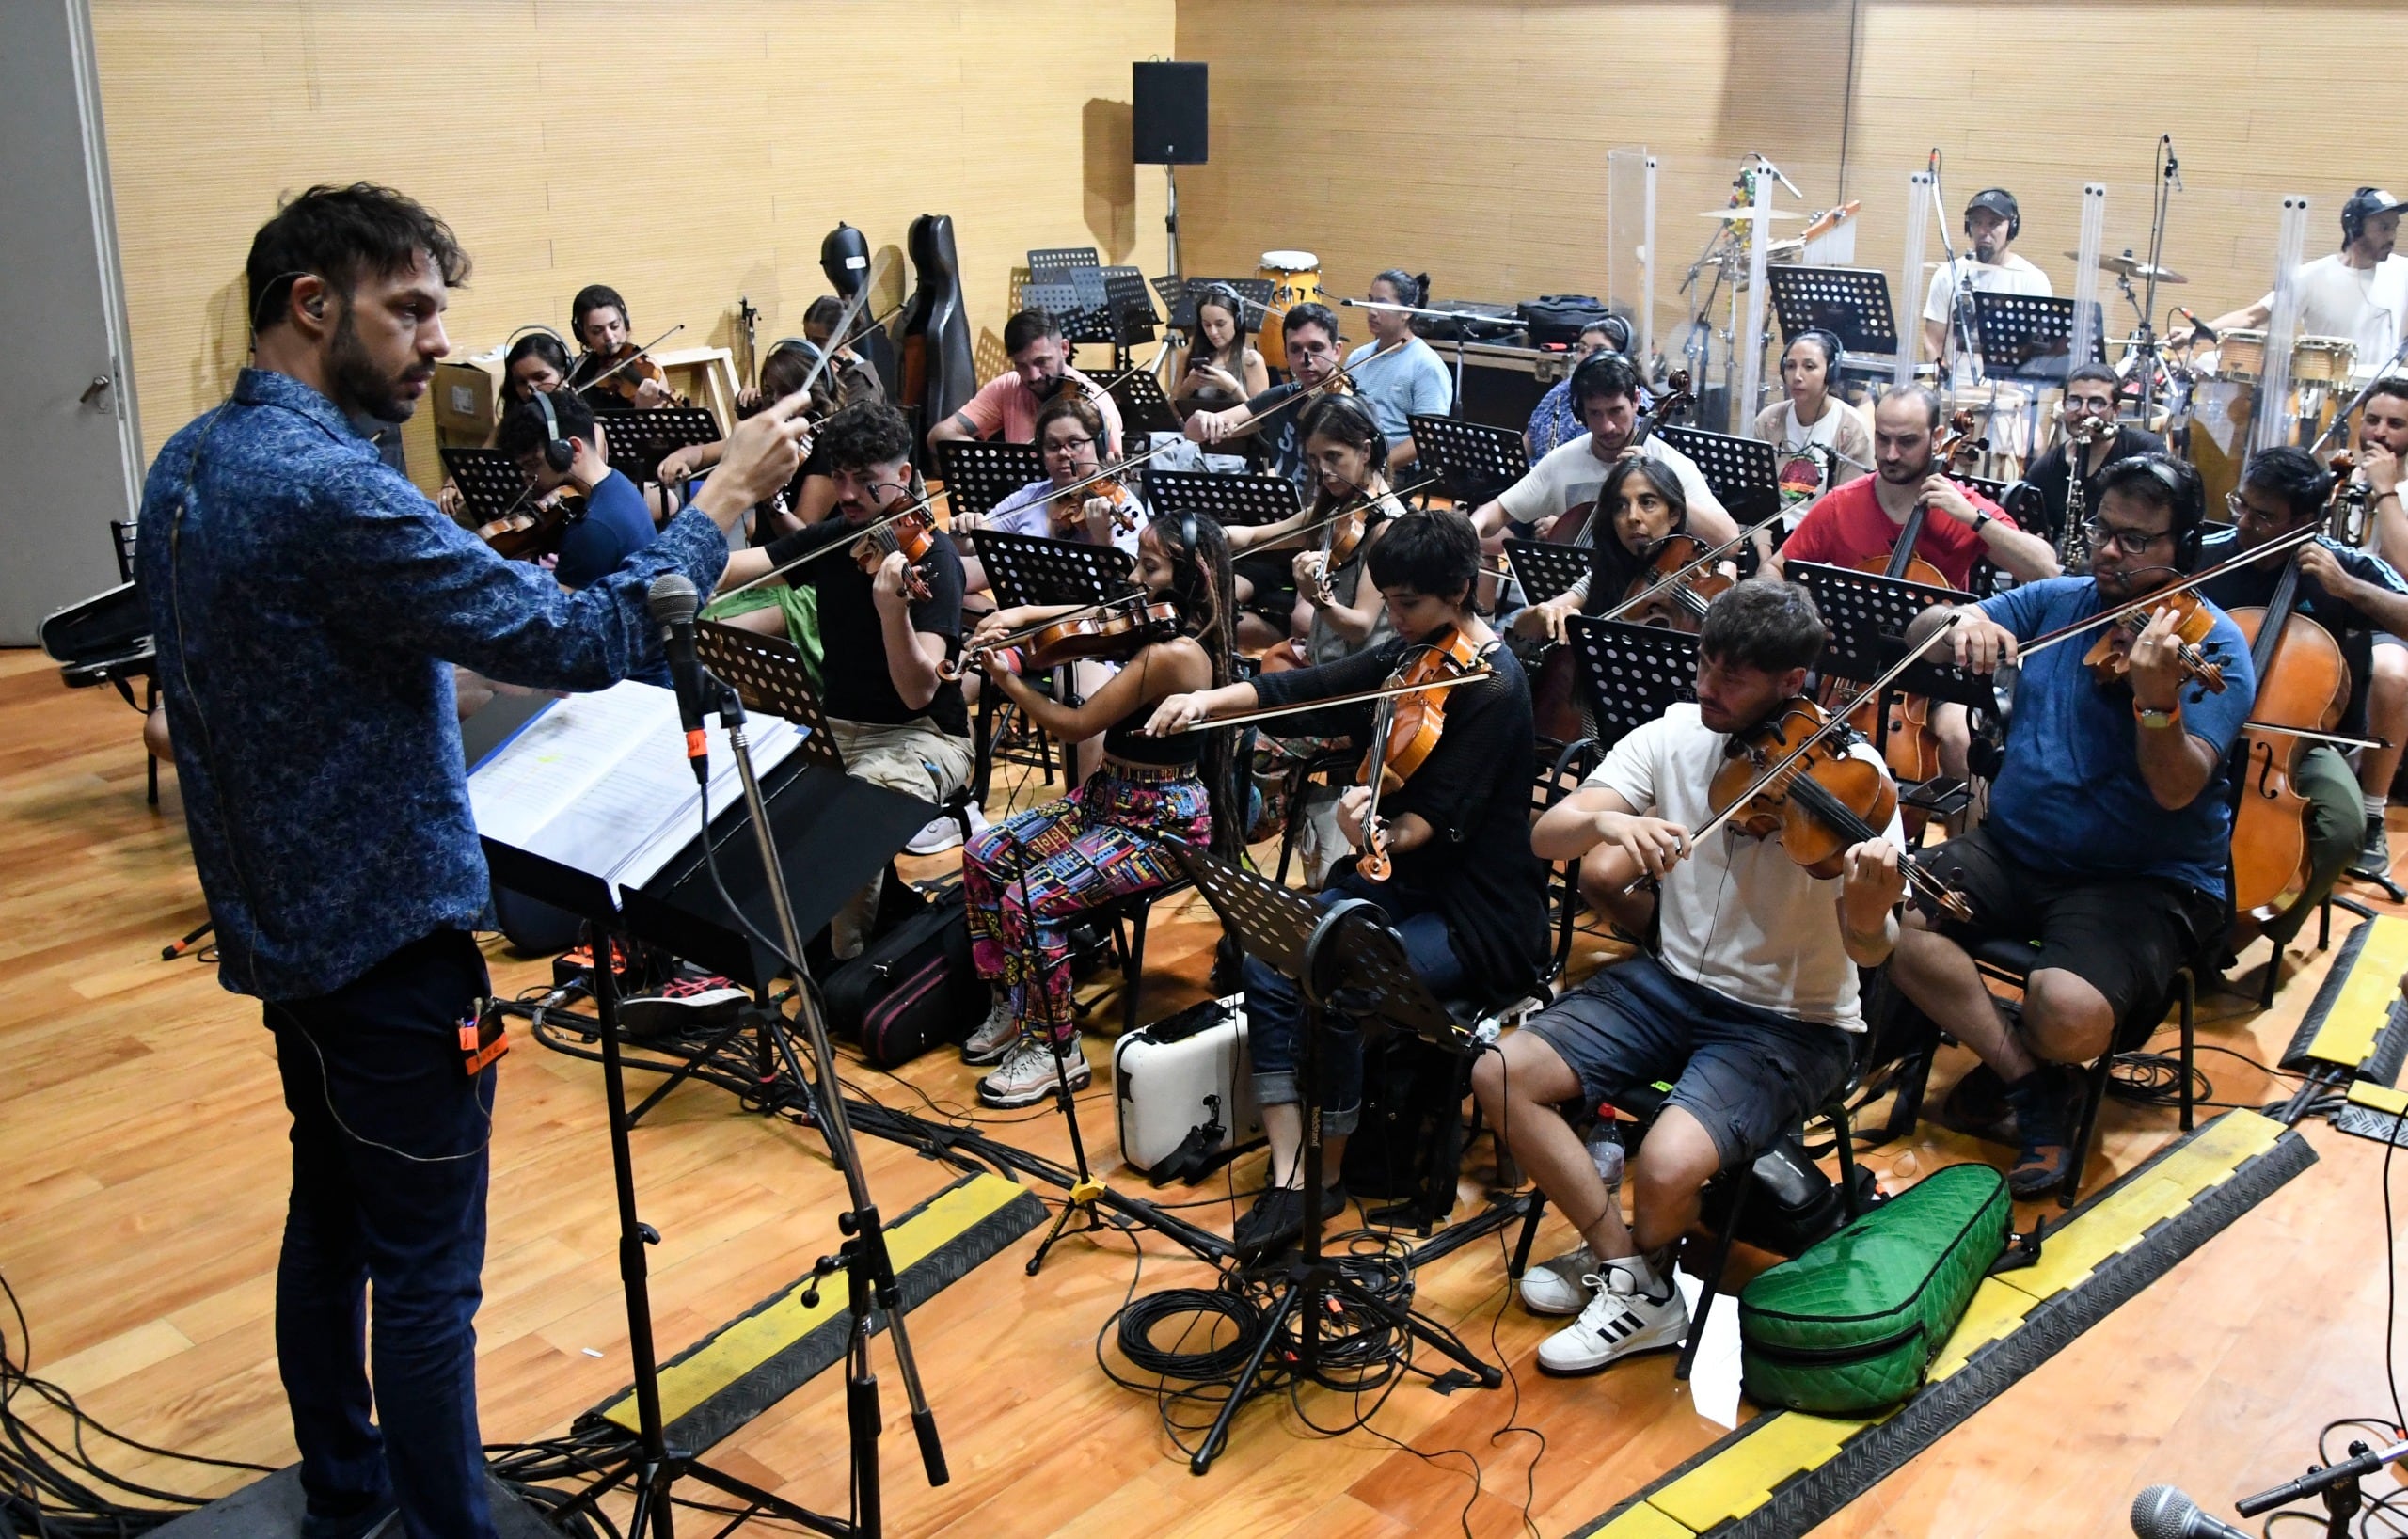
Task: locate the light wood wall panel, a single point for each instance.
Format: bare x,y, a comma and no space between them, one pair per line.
685,155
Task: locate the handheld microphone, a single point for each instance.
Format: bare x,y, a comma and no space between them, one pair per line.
671,601
2163,1513
2205,332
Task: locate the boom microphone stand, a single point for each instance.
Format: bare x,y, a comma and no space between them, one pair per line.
2169,180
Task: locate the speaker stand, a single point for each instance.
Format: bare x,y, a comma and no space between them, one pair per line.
1170,220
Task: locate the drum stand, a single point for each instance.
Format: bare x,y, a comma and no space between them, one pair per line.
2169,177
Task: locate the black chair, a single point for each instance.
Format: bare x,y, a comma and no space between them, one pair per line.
1340,762
1127,915
1558,775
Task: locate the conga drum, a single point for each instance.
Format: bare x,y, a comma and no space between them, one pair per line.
2240,354
2323,360
1294,278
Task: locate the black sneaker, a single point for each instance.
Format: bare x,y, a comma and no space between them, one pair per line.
1276,1220
2043,1102
685,1002
1977,1106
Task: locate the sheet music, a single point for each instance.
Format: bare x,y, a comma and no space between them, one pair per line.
600,782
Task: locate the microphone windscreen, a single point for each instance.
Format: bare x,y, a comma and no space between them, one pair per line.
670,600
2162,1513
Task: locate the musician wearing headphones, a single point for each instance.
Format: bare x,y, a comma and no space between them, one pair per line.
1309,332
2110,819
611,366
537,361
1005,406
2353,595
1822,441
1554,422
1746,1005
2359,292
555,441
1990,266
2091,430
1398,374
308,604
1218,368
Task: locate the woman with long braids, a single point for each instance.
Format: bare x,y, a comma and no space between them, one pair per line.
1028,879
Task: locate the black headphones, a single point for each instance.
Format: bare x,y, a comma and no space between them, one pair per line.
558,451
2183,486
1834,354
1616,328
2363,205
1999,202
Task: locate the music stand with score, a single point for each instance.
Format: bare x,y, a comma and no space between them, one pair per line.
1547,569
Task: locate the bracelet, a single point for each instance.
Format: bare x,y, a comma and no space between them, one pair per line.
2148,717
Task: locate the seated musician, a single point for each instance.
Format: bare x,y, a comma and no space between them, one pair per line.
1398,374
1821,439
1858,525
1070,437
895,714
1554,422
1465,893
2382,449
2110,821
2353,595
2088,413
850,376
536,361
1218,370
1987,264
1028,879
610,366
1005,406
1745,1007
554,438
1605,388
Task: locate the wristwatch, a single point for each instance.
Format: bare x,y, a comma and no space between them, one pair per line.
2150,718
1980,518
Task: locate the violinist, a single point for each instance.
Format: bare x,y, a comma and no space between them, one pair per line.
1465,893
1069,440
1645,505
2110,821
893,706
1005,406
1028,879
1309,331
849,376
2355,597
1218,370
537,361
2091,432
553,437
1746,1005
611,366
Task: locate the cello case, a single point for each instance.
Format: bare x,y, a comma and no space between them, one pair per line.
936,373
844,257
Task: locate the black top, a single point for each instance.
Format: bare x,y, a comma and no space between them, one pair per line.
2253,587
2050,476
1127,742
1474,791
855,683
1282,442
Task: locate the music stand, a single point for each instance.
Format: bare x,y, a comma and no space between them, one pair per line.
2029,337
979,475
769,675
1743,473
1631,675
1851,303
1081,316
492,482
1131,307
639,439
1179,298
1350,964
1866,616
1231,501
1476,460
1061,263
1547,569
1022,569
1144,409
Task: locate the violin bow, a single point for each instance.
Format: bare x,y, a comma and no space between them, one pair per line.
841,334
846,543
631,358
2274,546
1388,692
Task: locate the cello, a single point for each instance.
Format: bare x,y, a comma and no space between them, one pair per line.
2303,683
1567,526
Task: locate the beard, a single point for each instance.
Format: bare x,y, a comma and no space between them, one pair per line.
360,384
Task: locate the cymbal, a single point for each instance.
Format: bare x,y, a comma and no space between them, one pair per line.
2128,265
1747,214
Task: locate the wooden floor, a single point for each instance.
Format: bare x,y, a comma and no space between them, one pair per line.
142,1136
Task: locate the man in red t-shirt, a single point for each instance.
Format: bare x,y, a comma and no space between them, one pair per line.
1861,520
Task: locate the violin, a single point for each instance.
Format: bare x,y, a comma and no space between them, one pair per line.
533,532
913,533
1117,633
1406,729
621,373
1791,776
1674,588
1070,508
2110,658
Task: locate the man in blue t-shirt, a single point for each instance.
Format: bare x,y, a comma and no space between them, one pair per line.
553,438
2110,824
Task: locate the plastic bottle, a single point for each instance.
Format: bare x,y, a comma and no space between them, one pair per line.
1605,1147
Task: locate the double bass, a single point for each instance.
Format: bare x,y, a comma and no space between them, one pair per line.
2303,683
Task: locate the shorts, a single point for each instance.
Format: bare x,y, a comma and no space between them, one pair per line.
1747,1076
2124,936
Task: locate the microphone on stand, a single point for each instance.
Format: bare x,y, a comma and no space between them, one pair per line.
2205,332
2163,1513
672,602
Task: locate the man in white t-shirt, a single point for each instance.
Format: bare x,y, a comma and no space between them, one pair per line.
2359,292
1745,1008
1990,266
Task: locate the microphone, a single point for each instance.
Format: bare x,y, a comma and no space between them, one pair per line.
671,602
1779,175
2163,1513
2205,332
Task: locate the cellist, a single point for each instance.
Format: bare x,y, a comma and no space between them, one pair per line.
2353,595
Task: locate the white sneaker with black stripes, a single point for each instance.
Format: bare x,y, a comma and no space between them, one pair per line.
1621,1319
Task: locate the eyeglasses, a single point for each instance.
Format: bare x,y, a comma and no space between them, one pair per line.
1069,446
2132,542
2079,403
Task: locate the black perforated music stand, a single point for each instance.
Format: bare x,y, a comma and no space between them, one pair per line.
1131,305
1061,263
1477,460
1743,473
1851,303
1081,317
1231,501
1866,616
1179,298
639,439
1547,568
1144,409
769,675
491,482
979,475
1022,569
1630,674
2030,335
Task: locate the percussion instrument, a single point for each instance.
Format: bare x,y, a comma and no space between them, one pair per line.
1296,279
2128,265
2323,360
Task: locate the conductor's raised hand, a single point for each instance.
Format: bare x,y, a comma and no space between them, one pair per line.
763,453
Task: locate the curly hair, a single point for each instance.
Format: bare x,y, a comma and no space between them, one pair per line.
1204,587
865,433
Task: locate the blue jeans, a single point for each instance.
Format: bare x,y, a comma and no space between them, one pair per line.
1274,1008
390,1160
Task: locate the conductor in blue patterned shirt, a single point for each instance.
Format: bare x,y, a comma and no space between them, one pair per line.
309,605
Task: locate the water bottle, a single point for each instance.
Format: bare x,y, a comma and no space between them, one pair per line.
1605,1148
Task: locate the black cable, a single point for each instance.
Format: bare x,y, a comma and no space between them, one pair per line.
2390,1273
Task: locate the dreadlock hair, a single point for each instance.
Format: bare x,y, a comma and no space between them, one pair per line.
1205,589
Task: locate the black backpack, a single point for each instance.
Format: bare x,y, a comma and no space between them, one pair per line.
912,988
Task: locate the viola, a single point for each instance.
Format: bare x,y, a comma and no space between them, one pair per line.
1407,730
2110,658
1792,776
1674,588
913,533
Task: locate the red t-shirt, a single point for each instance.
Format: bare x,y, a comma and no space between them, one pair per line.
1848,526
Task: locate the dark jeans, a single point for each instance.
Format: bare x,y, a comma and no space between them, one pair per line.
1274,1008
389,1188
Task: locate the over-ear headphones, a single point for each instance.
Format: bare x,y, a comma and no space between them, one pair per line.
538,325
2363,205
2183,485
1999,202
1617,331
1834,354
558,451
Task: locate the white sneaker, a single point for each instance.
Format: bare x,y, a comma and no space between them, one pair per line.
1027,1075
1618,1322
995,1035
936,837
1559,1286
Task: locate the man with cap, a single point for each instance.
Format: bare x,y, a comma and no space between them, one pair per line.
2359,292
1988,264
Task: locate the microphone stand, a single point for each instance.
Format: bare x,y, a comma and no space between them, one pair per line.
1960,299
2340,423
2169,177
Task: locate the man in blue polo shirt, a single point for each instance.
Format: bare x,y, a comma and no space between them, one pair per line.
2110,821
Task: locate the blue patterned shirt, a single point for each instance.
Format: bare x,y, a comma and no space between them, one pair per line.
1553,422
307,684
